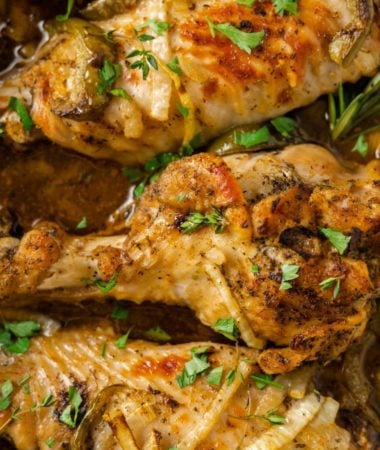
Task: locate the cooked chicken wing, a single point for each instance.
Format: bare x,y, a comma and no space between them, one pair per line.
150,79
129,398
287,244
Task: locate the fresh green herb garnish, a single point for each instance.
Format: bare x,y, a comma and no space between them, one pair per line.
2,131
15,336
23,380
336,238
174,66
245,41
215,376
230,377
157,334
156,25
197,365
248,3
121,343
6,395
16,105
103,286
284,125
108,74
133,174
144,63
183,110
227,327
119,313
69,8
289,273
262,380
286,7
47,401
196,220
70,414
108,36
255,269
270,416
145,37
104,349
361,146
330,282
50,442
120,92
81,224
252,138
348,112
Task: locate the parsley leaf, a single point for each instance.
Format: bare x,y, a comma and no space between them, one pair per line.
215,376
284,125
16,105
69,8
27,328
103,286
121,342
108,74
6,393
248,3
174,66
144,63
252,138
156,25
262,380
157,334
197,365
289,273
255,269
120,92
289,7
230,377
361,146
245,41
119,313
50,442
81,224
227,327
336,238
330,282
273,418
183,110
196,220
145,37
108,36
69,415
47,401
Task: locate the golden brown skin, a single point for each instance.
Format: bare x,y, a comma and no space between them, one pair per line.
273,206
222,85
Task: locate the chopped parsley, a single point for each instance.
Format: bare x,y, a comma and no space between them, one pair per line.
103,350
108,36
47,401
361,146
6,395
215,376
289,7
155,25
108,75
69,8
289,273
245,41
82,224
15,336
197,365
16,105
284,125
157,334
255,269
196,220
262,380
230,377
336,238
121,342
252,138
227,327
330,282
183,110
50,442
70,414
120,313
174,66
144,63
120,92
248,3
103,286
145,37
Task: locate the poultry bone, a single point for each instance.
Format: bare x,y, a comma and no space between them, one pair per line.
129,398
151,79
286,244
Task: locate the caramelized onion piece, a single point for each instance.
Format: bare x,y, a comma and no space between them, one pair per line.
347,42
104,9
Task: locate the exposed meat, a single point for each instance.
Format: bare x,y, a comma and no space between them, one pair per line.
272,208
220,85
131,399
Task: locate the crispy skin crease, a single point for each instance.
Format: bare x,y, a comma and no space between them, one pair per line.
271,221
139,390
221,84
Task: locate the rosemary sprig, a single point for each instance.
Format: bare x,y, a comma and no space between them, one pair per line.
345,116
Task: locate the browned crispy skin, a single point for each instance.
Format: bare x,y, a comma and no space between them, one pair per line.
273,207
